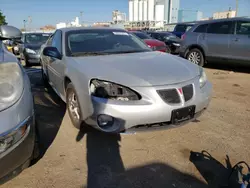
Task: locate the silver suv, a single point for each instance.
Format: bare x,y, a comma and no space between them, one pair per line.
224,39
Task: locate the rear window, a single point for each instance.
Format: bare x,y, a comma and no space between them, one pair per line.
141,35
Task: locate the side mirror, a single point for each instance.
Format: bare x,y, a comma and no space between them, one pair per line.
52,52
9,32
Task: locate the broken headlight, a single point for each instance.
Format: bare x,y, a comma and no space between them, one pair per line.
9,139
109,90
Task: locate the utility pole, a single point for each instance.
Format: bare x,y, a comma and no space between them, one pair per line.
237,7
24,24
30,20
81,13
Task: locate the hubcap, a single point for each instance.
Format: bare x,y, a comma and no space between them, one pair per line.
73,106
194,57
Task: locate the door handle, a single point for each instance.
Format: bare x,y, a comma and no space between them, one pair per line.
236,39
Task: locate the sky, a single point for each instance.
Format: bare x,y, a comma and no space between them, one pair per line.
44,12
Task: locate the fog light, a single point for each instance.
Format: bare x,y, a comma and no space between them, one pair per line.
105,120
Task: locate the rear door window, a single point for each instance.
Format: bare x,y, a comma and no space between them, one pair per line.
221,28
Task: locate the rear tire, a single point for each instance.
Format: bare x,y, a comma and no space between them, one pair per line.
196,57
73,106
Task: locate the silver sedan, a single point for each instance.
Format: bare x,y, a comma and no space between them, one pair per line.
17,127
113,81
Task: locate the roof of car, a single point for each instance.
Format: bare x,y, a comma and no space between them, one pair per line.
161,32
224,19
136,31
66,29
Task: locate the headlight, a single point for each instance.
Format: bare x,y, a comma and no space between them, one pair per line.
203,77
30,51
13,137
176,44
11,84
109,90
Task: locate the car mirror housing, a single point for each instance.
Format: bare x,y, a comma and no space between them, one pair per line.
52,52
9,32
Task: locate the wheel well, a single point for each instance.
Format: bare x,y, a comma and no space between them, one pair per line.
198,47
66,82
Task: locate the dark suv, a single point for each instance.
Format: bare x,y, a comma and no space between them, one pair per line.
224,39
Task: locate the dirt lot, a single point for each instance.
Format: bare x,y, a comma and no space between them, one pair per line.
152,159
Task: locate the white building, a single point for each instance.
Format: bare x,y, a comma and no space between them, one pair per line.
154,10
118,17
226,14
61,25
75,23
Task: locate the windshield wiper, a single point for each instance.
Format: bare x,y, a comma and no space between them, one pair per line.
88,53
131,51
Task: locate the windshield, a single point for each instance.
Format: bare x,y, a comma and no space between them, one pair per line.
101,42
36,38
142,35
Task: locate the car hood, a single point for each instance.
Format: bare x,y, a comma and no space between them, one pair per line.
154,42
33,46
137,69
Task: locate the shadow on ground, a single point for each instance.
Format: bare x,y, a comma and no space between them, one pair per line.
49,111
216,174
106,168
235,67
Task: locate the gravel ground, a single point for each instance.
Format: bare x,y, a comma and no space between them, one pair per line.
170,158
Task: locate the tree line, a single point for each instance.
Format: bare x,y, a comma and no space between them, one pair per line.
2,19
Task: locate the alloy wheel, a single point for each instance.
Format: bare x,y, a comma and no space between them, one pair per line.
194,57
74,106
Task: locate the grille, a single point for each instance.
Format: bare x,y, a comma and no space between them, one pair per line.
170,96
188,92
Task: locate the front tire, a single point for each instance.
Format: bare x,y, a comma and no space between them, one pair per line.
27,63
45,78
73,106
196,57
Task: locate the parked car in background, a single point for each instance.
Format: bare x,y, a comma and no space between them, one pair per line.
182,28
225,39
16,50
30,47
18,146
9,45
113,81
156,45
12,46
172,41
